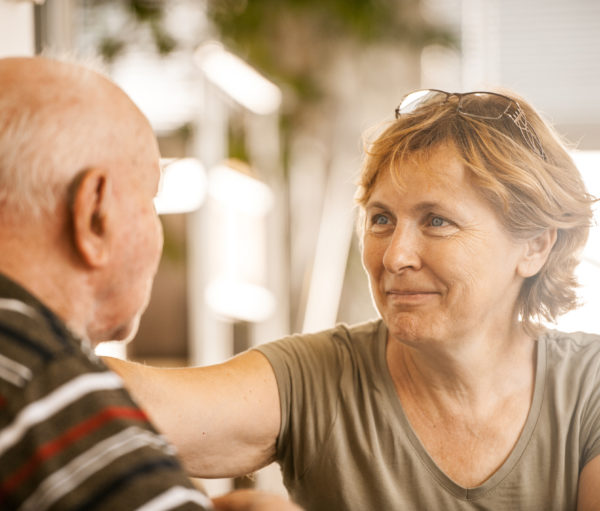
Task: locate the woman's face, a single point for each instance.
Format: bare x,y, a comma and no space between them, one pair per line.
441,266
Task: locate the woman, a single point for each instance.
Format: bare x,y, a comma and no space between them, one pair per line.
471,218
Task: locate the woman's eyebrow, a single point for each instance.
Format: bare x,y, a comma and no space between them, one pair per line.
422,206
376,204
417,207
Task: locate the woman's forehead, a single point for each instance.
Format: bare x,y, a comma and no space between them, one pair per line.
439,165
441,180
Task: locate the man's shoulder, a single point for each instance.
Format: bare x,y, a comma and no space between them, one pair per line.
38,355
30,332
31,338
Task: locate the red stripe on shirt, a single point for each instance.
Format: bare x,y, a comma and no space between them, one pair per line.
53,447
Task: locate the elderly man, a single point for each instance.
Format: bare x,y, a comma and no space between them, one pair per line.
80,244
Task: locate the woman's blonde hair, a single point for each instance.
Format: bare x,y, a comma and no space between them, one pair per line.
531,190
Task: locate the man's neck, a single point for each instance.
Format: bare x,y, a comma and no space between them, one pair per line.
46,274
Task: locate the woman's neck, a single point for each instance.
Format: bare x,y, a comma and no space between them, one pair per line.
476,373
468,405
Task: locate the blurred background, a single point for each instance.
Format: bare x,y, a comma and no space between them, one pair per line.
260,107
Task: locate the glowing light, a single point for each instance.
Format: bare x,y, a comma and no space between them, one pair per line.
239,191
115,349
183,186
240,300
236,78
164,89
237,205
585,318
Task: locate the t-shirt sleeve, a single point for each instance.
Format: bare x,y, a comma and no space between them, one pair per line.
72,438
308,369
590,427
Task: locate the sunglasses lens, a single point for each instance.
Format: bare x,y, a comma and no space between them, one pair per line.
418,99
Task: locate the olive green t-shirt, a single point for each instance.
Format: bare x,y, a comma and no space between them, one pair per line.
346,444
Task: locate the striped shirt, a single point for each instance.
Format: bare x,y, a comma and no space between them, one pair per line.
71,438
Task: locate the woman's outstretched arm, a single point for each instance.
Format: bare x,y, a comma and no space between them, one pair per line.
224,419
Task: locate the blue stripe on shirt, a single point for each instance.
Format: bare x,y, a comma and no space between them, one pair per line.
25,342
95,499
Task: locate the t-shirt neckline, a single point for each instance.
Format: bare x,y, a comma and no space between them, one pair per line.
513,458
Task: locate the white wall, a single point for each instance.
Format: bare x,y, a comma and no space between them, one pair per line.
16,28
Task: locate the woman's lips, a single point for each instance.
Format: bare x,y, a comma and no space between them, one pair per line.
410,296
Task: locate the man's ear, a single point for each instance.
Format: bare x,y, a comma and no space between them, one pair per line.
89,208
537,250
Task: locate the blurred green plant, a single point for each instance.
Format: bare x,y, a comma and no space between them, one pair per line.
139,14
290,41
293,41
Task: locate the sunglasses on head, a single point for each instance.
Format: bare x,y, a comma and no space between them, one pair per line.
479,105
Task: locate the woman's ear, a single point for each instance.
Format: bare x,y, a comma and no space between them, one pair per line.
537,250
89,208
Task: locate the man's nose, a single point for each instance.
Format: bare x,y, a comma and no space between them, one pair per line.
403,250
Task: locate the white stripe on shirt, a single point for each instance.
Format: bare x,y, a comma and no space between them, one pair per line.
10,370
174,497
63,481
13,371
42,409
18,306
11,377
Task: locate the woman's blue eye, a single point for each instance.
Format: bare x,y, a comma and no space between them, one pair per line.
380,220
437,221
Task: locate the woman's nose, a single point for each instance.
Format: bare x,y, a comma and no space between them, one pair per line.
403,250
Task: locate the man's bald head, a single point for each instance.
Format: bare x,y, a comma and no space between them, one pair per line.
56,120
78,174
